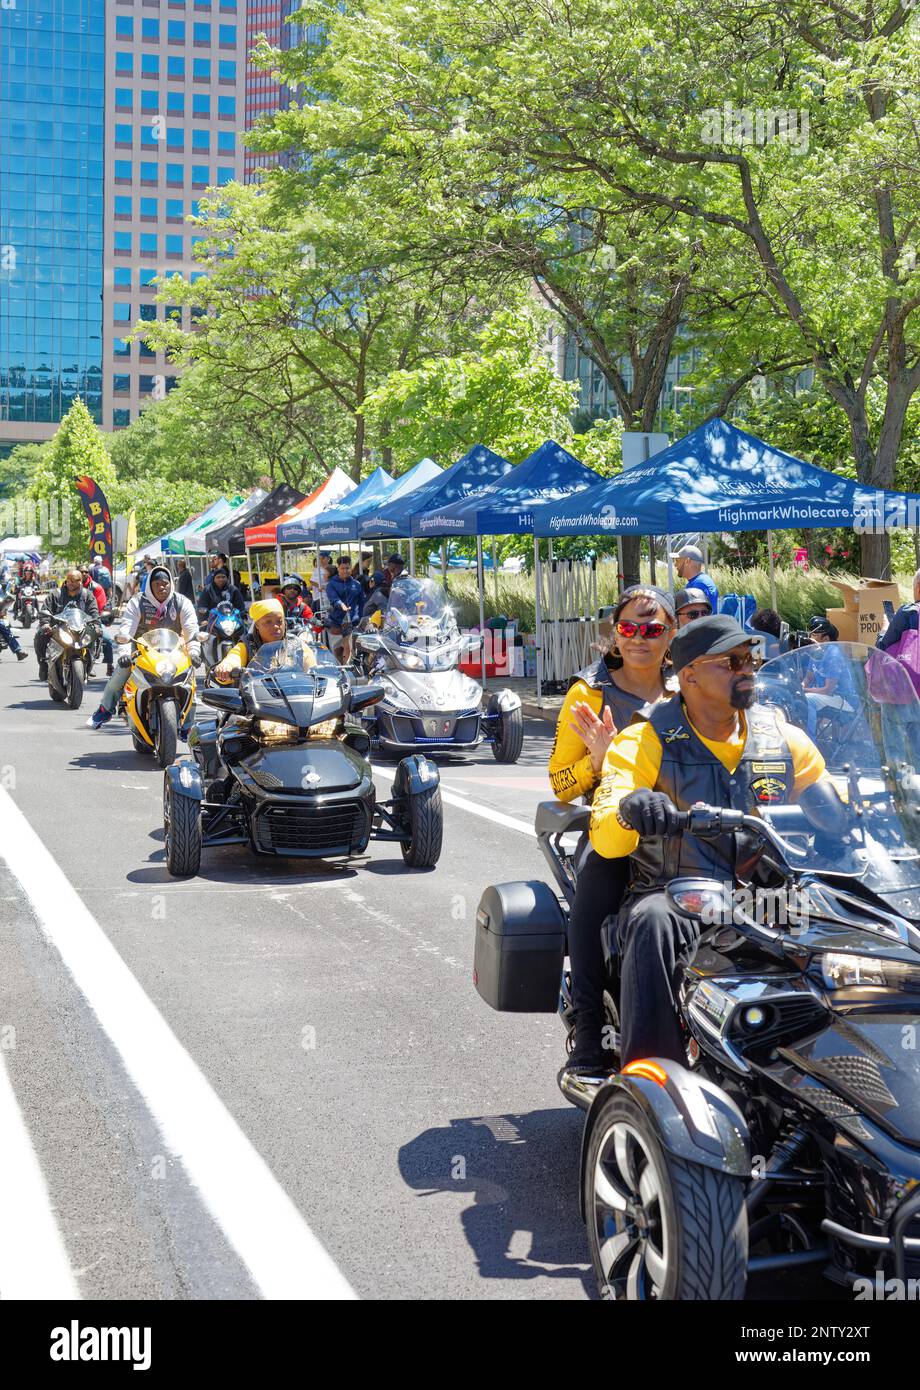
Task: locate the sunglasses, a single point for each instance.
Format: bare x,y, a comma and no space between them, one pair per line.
734,661
628,629
690,613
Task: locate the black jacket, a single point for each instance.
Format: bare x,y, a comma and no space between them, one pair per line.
57,601
185,586
212,596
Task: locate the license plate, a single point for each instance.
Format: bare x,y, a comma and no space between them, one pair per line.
438,727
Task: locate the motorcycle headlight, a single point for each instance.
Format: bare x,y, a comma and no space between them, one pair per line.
842,971
64,637
396,696
166,669
411,661
326,729
275,731
227,625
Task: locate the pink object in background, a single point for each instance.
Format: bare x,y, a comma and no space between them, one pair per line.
801,559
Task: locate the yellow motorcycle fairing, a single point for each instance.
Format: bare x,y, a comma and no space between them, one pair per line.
159,646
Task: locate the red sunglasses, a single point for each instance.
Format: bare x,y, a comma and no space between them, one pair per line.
628,629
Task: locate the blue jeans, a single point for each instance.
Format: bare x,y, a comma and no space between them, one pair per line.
114,686
11,641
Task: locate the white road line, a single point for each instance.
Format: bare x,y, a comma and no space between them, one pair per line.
474,807
261,1223
33,1259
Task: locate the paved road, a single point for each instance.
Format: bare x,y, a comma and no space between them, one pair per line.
274,1078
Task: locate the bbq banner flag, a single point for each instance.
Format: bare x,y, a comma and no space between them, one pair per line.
99,518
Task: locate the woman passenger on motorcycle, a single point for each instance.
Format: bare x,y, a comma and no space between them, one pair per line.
269,624
625,683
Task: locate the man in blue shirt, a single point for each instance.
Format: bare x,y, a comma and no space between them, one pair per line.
344,599
688,566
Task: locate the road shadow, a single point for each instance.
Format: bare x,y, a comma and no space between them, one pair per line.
115,760
236,865
522,1171
389,868
46,703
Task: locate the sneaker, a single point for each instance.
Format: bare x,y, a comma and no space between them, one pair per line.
102,716
43,670
22,656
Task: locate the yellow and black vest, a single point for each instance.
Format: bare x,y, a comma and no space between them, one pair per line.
690,773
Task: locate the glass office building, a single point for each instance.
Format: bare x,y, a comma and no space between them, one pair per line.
52,112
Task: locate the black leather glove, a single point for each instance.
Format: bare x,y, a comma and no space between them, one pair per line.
651,813
125,661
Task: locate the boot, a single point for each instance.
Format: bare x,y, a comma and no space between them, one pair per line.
588,1055
43,670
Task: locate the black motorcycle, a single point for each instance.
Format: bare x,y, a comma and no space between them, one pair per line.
69,654
283,770
26,608
792,1135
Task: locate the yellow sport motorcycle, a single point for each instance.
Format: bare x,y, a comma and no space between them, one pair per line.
159,694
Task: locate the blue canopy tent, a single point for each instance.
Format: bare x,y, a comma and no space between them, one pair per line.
339,522
505,507
400,515
719,478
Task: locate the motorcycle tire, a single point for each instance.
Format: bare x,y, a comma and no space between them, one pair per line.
55,694
507,747
26,619
75,681
426,828
695,1243
182,833
167,734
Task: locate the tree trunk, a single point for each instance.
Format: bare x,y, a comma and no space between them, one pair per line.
358,457
631,573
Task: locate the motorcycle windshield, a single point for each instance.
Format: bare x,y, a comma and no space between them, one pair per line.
163,639
859,709
416,605
73,618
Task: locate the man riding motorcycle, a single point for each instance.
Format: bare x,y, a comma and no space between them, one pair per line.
292,599
269,624
219,589
157,606
71,591
709,744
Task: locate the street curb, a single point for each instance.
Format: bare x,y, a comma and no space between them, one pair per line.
531,710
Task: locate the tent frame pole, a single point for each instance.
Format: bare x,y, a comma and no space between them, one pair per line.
482,611
412,555
670,567
538,614
495,570
772,571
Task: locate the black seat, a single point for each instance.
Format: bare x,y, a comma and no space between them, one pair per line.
562,818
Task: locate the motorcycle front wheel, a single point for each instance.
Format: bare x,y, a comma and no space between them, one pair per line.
167,734
659,1227
26,617
75,681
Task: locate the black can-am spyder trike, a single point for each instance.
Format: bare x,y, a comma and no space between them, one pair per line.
283,770
790,1136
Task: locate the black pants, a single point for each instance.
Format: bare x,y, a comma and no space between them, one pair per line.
653,939
42,638
599,892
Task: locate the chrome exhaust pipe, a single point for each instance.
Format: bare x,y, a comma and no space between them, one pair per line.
581,1088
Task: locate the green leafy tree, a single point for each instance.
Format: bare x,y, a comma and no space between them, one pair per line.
160,508
503,393
76,448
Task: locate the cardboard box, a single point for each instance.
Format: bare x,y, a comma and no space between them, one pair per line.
846,623
864,604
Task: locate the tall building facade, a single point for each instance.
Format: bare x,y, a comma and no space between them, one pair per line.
52,264
115,116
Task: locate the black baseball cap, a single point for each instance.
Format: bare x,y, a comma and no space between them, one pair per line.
691,595
707,637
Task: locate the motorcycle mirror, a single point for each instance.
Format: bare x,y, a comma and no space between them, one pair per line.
106,618
230,701
365,695
369,642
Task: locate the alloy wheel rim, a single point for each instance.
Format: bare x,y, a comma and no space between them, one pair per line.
630,1223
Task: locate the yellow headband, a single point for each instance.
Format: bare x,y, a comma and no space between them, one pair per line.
263,607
